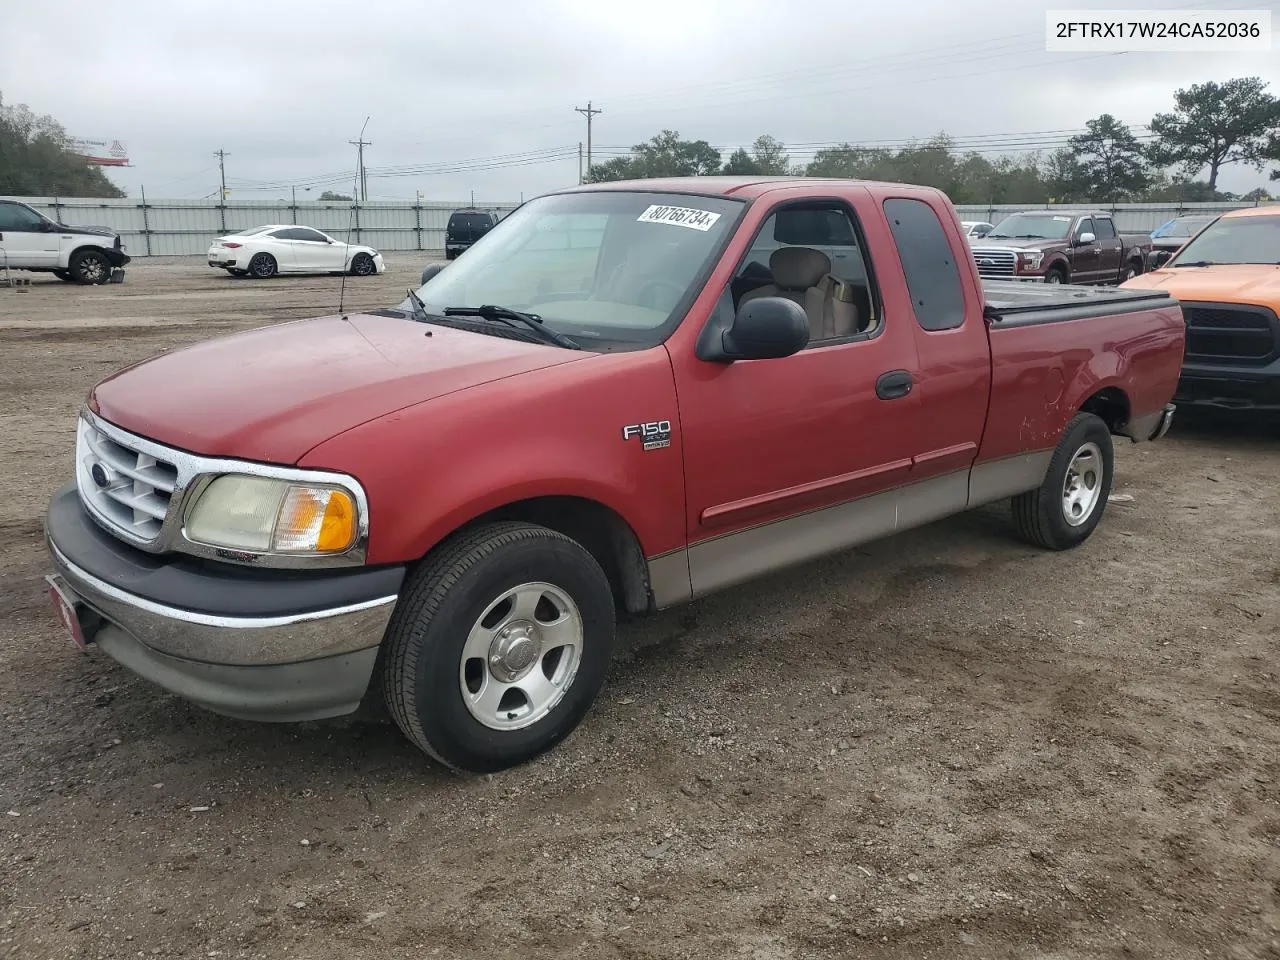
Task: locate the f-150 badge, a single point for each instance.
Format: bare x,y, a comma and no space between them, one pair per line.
653,435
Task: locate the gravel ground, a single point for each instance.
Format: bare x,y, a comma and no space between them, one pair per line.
943,745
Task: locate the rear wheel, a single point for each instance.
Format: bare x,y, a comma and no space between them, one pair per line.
89,266
499,646
1131,270
263,266
1064,510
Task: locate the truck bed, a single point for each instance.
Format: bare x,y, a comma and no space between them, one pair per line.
1017,303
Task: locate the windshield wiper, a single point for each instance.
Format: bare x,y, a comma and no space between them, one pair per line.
419,308
1197,263
515,318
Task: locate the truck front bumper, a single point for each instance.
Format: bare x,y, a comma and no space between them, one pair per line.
1230,388
245,643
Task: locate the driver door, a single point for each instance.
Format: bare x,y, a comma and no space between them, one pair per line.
1086,258
26,238
788,459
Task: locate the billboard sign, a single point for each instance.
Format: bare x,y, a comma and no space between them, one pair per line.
102,153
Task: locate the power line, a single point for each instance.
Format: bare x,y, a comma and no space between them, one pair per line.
588,112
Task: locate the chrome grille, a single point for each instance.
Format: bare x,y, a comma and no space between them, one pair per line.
125,488
994,264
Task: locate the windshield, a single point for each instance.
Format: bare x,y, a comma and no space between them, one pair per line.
1041,226
1253,239
1182,227
604,268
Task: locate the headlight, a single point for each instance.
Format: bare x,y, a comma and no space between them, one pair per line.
263,515
1031,258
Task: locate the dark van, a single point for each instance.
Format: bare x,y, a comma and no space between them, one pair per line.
465,228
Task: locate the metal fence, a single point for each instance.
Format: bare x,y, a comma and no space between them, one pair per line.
185,227
160,228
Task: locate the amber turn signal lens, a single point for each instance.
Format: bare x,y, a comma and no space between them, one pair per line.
315,520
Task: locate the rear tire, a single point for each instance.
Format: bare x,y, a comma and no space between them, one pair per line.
499,646
1064,510
263,266
1132,269
89,266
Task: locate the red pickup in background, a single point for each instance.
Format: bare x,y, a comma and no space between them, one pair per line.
623,397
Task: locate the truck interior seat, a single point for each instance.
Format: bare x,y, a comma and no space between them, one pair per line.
803,275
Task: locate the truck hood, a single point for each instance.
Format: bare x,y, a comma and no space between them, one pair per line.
1249,283
1016,244
273,393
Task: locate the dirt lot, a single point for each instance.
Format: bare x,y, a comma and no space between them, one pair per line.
946,745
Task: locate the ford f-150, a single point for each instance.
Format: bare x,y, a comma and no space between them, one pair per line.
1056,247
624,397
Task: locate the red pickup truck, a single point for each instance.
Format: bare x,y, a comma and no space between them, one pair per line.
624,397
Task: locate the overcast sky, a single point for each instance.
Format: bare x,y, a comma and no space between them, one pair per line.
480,96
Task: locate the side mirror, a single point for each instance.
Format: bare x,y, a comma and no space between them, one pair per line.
766,328
431,271
1086,239
47,226
1161,257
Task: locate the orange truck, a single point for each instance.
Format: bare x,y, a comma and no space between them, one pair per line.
1227,278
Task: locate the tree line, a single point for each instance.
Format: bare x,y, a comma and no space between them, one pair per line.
37,159
1211,126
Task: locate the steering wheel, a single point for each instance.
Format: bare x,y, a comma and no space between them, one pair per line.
645,301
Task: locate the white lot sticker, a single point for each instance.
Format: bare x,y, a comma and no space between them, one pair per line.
702,220
1062,218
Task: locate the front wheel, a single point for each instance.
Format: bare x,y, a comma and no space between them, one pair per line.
499,646
89,266
1064,510
363,265
1055,275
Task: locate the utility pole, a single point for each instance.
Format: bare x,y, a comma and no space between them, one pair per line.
360,144
579,161
588,111
222,170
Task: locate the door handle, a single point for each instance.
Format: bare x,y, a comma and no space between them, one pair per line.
894,384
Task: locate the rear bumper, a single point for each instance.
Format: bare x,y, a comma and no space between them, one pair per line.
1230,388
1150,427
247,644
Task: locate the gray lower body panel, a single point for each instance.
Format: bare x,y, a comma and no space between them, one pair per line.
282,692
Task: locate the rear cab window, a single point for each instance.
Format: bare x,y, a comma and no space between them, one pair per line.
928,263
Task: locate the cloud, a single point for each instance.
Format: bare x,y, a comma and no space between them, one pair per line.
481,96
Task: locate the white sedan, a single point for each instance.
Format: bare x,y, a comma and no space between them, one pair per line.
286,248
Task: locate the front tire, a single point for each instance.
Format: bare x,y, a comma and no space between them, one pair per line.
1055,275
90,267
499,646
362,265
1064,510
263,266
